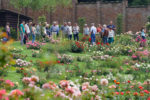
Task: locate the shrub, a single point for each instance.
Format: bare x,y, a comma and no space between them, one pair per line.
119,24
111,63
81,22
19,56
142,56
34,45
65,59
22,63
13,33
77,47
15,50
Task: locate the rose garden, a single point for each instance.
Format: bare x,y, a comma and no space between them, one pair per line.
52,67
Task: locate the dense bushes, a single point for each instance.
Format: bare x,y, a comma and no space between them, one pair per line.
77,47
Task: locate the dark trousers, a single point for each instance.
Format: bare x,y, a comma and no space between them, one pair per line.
24,41
143,37
105,39
93,38
70,37
76,36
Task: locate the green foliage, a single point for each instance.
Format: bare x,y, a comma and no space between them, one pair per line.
77,47
19,4
138,2
42,20
119,24
81,22
13,33
148,18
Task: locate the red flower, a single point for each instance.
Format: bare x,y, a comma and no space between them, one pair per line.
122,93
129,81
58,62
102,44
148,98
90,39
146,91
98,43
117,93
135,93
140,87
25,74
107,44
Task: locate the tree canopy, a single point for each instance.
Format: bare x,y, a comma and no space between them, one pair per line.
39,4
131,2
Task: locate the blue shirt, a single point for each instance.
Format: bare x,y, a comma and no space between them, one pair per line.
111,26
143,33
54,29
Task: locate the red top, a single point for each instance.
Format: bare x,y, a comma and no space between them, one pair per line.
98,29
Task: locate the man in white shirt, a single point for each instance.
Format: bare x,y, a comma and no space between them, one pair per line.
27,29
69,31
93,31
76,30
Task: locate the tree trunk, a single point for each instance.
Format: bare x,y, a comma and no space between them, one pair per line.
18,26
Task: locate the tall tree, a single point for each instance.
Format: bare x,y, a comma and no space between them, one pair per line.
51,5
19,5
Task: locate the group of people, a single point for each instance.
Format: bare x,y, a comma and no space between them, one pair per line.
106,32
29,29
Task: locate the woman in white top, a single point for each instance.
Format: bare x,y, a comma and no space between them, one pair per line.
76,30
111,36
86,30
33,33
27,29
69,31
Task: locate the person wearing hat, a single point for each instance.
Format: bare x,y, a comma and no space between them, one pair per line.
86,30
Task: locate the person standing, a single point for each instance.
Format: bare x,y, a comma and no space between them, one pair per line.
48,31
30,27
27,32
86,30
57,25
69,31
8,30
99,30
111,26
33,32
105,33
76,30
143,31
93,31
64,30
38,31
27,29
111,36
22,31
54,30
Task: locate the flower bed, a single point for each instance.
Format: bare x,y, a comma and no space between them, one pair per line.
35,45
77,47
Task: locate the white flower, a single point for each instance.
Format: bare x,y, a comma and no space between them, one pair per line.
104,82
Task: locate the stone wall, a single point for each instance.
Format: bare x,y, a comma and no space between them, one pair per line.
100,12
